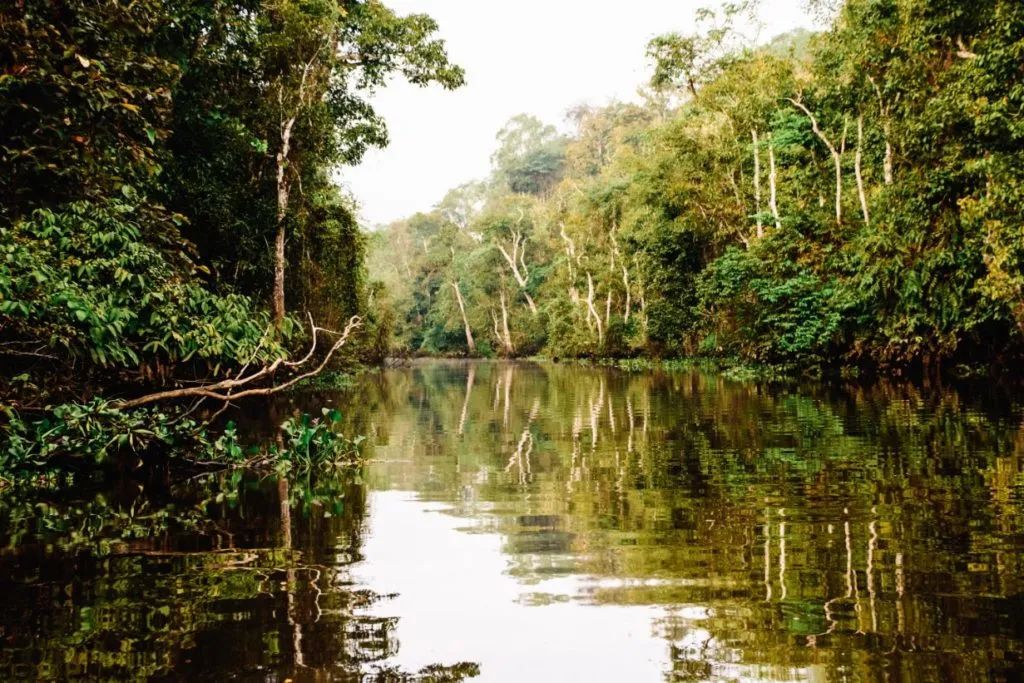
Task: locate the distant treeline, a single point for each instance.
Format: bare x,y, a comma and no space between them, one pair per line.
854,198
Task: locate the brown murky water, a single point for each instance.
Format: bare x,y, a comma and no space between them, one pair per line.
521,522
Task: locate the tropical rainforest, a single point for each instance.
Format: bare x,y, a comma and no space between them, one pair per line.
850,199
172,237
187,294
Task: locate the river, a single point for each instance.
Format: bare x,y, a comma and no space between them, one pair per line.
552,522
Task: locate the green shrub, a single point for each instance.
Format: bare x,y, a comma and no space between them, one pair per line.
769,312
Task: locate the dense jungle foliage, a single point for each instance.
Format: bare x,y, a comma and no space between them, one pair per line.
167,212
849,199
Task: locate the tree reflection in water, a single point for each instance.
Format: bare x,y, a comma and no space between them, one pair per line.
222,576
784,532
758,532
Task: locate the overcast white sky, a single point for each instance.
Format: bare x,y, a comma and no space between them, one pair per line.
536,56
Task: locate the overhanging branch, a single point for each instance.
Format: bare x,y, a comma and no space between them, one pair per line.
225,390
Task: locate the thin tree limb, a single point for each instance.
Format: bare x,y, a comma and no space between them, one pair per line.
223,390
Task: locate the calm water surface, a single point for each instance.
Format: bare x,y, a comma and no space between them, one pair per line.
521,522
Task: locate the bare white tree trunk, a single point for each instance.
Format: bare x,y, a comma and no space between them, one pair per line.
641,293
883,110
497,330
510,349
570,249
773,200
629,298
530,302
735,190
465,321
887,164
837,158
569,260
608,308
593,311
857,170
572,259
757,182
283,193
627,306
517,263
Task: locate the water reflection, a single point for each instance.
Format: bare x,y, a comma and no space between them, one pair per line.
553,523
769,534
226,576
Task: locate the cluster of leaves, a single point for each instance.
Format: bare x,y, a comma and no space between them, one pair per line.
92,434
85,286
773,316
85,92
310,443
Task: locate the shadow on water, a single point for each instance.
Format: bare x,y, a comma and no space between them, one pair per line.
759,532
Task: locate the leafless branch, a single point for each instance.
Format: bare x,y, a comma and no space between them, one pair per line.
224,390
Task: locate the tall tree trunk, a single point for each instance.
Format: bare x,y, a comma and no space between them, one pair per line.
887,164
517,263
616,254
837,158
570,258
283,192
773,201
279,263
570,251
497,330
629,298
857,170
641,291
530,303
883,111
593,310
736,194
757,182
510,349
470,344
608,308
283,184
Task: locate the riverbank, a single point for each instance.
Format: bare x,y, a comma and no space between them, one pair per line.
743,370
